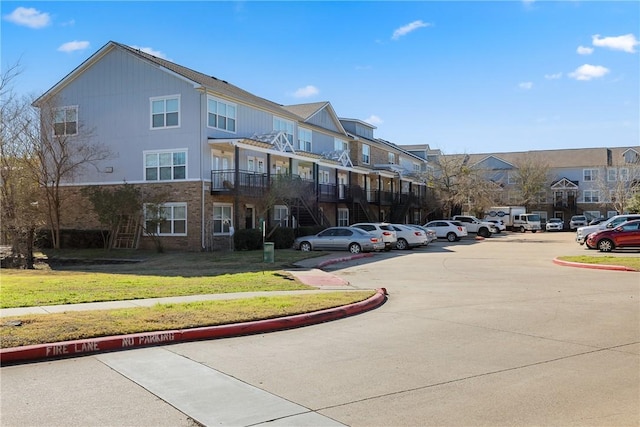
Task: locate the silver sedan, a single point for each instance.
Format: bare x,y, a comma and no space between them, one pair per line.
350,239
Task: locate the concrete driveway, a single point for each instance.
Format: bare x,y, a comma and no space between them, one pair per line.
474,333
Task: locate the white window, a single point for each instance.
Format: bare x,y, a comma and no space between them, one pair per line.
340,145
591,196
281,215
366,154
165,165
65,121
392,158
323,177
511,178
165,112
304,139
255,164
623,174
168,219
222,219
612,174
285,126
416,167
343,217
221,115
590,174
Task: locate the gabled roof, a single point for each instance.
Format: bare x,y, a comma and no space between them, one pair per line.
493,162
307,111
575,157
564,183
212,84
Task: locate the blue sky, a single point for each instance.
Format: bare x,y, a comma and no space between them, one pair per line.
464,77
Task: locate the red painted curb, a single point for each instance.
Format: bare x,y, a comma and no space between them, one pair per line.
593,266
58,350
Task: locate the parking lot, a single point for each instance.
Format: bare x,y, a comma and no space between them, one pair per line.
474,333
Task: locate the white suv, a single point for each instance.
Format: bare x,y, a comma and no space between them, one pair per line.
614,221
474,225
382,230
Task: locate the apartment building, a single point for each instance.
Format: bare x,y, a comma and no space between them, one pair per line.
223,158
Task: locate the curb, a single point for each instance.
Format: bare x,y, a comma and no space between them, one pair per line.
39,352
593,266
343,259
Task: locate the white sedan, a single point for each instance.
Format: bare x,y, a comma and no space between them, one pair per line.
450,230
409,237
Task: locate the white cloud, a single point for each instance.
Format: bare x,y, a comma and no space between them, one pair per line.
554,76
584,50
625,43
588,72
306,92
73,46
374,120
29,17
525,85
408,28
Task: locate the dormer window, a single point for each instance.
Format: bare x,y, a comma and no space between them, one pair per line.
392,158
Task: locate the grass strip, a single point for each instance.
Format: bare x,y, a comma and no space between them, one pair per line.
631,262
73,325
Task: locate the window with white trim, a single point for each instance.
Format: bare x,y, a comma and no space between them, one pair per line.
416,167
323,177
221,114
623,174
285,126
65,121
343,217
392,158
366,154
165,112
612,174
590,174
165,165
222,219
304,139
281,215
340,144
168,219
512,178
591,196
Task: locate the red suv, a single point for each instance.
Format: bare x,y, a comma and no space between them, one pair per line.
625,235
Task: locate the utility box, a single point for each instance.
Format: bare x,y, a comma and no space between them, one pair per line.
268,252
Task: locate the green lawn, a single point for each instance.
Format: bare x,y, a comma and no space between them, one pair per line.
68,277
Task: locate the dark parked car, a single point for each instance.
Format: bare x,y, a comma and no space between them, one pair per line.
624,235
352,239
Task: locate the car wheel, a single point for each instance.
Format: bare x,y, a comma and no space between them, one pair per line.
533,231
605,245
451,236
305,247
355,248
522,229
483,232
402,244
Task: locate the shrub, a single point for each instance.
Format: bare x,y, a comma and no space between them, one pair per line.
72,239
247,239
283,238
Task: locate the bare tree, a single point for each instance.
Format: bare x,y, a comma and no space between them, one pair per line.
532,178
619,184
458,184
21,210
60,149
